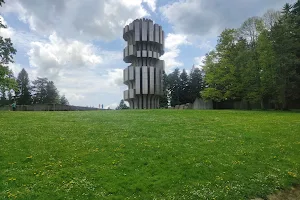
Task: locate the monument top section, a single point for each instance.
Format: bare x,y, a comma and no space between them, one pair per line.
144,30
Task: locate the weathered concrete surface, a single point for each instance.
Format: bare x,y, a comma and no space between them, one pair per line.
202,105
145,44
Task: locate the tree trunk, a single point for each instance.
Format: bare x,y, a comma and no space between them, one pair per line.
262,105
249,105
284,103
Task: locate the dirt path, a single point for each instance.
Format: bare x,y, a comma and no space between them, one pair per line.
292,194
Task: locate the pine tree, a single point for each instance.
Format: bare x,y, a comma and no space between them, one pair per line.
196,85
52,93
164,99
23,92
122,105
64,100
174,82
39,90
184,87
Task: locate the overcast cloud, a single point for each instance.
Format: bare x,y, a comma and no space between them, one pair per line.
209,18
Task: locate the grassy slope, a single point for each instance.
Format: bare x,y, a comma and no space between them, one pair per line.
161,154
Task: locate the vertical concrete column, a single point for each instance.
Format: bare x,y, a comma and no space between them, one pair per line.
156,33
144,30
151,81
137,80
136,106
145,79
152,102
157,80
144,101
160,35
137,31
140,101
149,102
151,31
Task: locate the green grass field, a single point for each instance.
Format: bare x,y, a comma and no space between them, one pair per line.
162,154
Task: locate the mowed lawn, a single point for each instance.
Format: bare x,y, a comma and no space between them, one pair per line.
161,154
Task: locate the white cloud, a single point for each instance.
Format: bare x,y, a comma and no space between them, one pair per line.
199,61
151,4
15,68
206,45
112,106
82,85
173,42
88,20
79,70
6,32
57,54
209,18
170,60
115,77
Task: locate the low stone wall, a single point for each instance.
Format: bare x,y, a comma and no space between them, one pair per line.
183,106
200,104
47,107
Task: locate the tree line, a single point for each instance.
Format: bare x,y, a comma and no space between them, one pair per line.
181,87
24,92
258,63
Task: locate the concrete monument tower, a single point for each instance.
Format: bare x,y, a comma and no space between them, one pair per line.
145,44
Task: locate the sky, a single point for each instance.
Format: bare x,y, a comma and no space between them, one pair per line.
79,45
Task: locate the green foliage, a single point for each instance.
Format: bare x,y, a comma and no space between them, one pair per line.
196,85
64,100
23,92
285,36
142,154
223,67
174,83
213,94
164,100
259,62
122,106
6,50
52,93
7,81
184,89
39,90
45,92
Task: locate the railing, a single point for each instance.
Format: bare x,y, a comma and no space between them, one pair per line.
47,107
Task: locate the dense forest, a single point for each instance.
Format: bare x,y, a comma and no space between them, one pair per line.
258,63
